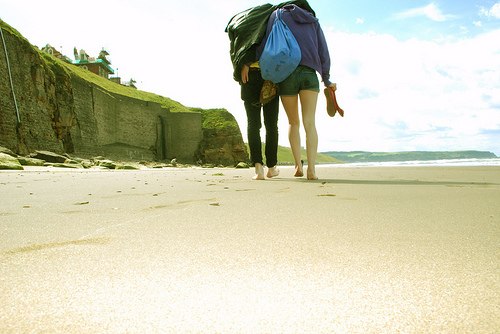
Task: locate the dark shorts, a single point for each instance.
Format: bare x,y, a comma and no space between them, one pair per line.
303,78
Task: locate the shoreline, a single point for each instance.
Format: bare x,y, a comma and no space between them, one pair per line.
392,164
423,163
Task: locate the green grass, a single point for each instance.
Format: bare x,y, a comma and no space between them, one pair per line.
60,67
285,156
218,119
6,27
113,87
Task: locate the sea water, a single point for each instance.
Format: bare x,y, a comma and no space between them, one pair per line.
420,163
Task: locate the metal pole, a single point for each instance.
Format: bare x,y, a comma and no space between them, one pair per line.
18,118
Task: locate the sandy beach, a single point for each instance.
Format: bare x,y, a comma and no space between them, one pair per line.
191,250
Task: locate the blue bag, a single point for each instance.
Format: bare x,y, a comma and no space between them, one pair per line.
281,54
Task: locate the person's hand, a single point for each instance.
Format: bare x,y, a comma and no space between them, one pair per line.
332,88
244,73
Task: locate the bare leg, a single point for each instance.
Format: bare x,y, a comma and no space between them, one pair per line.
259,172
308,100
291,106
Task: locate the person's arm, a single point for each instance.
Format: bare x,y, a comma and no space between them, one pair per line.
324,56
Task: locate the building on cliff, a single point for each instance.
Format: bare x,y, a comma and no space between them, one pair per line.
55,53
100,66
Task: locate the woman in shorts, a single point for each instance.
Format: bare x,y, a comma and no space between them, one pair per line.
303,84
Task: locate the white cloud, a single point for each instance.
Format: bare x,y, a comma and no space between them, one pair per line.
431,11
494,11
417,94
360,20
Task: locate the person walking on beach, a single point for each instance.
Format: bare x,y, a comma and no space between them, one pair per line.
245,31
251,87
303,83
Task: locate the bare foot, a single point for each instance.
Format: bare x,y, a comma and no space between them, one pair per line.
298,171
273,172
311,174
259,172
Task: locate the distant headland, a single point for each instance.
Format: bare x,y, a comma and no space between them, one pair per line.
363,156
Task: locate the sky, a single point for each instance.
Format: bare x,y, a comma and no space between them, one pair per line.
411,74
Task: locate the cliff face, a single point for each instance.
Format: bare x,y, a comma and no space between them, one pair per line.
222,141
43,96
65,109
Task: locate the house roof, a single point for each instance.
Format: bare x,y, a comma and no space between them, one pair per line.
97,61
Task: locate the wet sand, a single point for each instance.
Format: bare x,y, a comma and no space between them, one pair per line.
362,250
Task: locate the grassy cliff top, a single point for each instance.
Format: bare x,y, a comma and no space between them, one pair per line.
104,83
6,27
116,88
218,119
